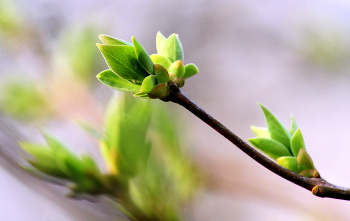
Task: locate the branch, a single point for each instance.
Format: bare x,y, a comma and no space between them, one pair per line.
318,186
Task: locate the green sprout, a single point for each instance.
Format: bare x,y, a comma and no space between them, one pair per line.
132,69
287,147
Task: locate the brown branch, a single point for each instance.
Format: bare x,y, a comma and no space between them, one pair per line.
318,186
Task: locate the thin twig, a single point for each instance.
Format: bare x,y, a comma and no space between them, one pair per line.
318,186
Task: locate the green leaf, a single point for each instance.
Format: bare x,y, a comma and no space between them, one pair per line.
177,68
114,81
260,131
142,56
134,145
293,125
89,165
304,160
190,70
161,74
147,85
162,60
127,123
69,164
277,131
289,162
121,59
173,48
270,147
49,168
35,150
297,142
160,41
109,40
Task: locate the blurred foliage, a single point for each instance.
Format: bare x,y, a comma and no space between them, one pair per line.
328,50
148,173
72,59
10,19
24,99
76,48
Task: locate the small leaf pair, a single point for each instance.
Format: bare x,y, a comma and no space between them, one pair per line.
132,69
287,147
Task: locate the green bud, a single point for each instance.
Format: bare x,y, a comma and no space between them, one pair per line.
190,70
177,68
147,85
159,91
161,74
304,160
289,162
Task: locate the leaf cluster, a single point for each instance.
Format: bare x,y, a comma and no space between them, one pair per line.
143,158
287,147
132,69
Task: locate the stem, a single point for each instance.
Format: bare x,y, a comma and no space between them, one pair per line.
318,186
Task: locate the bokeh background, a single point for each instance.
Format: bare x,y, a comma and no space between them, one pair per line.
292,56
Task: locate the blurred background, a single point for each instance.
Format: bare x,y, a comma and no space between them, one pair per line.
291,56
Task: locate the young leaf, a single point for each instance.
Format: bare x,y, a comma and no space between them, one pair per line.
36,151
177,68
277,131
297,142
270,147
161,74
133,145
125,134
121,59
142,56
190,70
260,131
114,81
69,164
304,160
109,40
89,165
48,167
289,162
159,91
147,85
293,125
162,60
160,41
173,48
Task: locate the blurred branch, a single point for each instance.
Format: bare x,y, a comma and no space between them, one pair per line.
318,186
